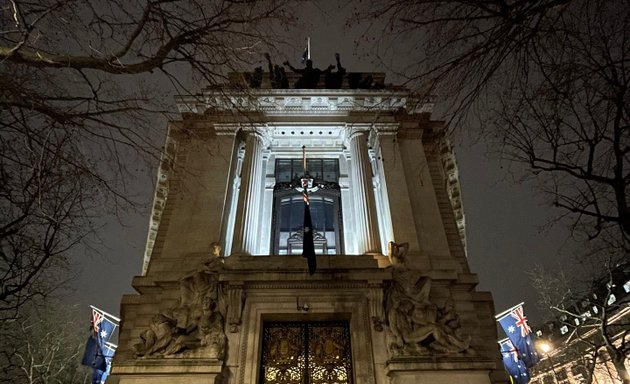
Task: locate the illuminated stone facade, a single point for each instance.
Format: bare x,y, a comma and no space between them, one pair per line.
223,265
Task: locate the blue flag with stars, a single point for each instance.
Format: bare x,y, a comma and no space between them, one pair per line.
514,323
513,364
98,352
105,331
108,352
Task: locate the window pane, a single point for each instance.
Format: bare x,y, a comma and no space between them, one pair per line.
314,167
297,213
331,170
283,171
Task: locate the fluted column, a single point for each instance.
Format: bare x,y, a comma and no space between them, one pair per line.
248,208
366,221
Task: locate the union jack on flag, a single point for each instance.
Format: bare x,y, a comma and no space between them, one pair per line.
514,323
97,319
521,321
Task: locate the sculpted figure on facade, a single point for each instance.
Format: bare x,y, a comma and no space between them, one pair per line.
417,326
277,75
334,80
196,321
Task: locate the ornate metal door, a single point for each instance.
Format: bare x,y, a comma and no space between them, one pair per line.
306,353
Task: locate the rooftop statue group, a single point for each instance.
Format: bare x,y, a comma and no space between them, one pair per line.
310,76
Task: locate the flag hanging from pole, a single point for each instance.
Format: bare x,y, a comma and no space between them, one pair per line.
102,326
98,351
308,244
108,351
514,323
93,356
513,364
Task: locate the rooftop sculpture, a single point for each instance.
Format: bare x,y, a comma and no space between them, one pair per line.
310,77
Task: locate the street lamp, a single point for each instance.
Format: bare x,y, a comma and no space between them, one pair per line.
546,347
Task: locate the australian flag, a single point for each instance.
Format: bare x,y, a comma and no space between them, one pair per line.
97,354
514,323
93,356
108,351
513,365
308,243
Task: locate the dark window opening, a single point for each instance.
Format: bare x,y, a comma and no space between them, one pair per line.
325,207
288,170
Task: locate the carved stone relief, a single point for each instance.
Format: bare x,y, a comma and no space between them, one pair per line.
235,307
196,322
416,325
375,298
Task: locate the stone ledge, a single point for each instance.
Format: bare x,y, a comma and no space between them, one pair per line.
272,262
167,366
403,364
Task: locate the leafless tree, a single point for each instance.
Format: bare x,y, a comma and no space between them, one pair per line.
47,200
549,83
595,313
44,347
83,86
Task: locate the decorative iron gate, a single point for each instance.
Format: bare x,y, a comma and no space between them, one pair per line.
306,353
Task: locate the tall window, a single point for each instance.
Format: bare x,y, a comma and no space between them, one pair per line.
325,207
306,353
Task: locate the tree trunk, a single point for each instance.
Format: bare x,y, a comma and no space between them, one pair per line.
618,361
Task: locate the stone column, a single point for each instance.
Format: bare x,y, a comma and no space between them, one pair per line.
366,221
248,208
231,201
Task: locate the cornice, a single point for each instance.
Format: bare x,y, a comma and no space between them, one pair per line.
278,102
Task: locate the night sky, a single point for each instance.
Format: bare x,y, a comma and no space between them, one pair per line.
504,219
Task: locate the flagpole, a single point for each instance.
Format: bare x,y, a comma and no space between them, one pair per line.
502,314
304,159
105,313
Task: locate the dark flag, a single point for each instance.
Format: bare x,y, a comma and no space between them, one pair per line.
93,356
308,245
514,323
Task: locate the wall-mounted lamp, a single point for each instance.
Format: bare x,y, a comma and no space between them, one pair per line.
304,307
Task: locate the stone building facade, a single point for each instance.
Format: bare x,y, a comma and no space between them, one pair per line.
225,296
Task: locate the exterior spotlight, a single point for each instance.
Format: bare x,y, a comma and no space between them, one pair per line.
544,346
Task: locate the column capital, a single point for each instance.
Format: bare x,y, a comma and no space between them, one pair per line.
353,131
258,131
386,129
